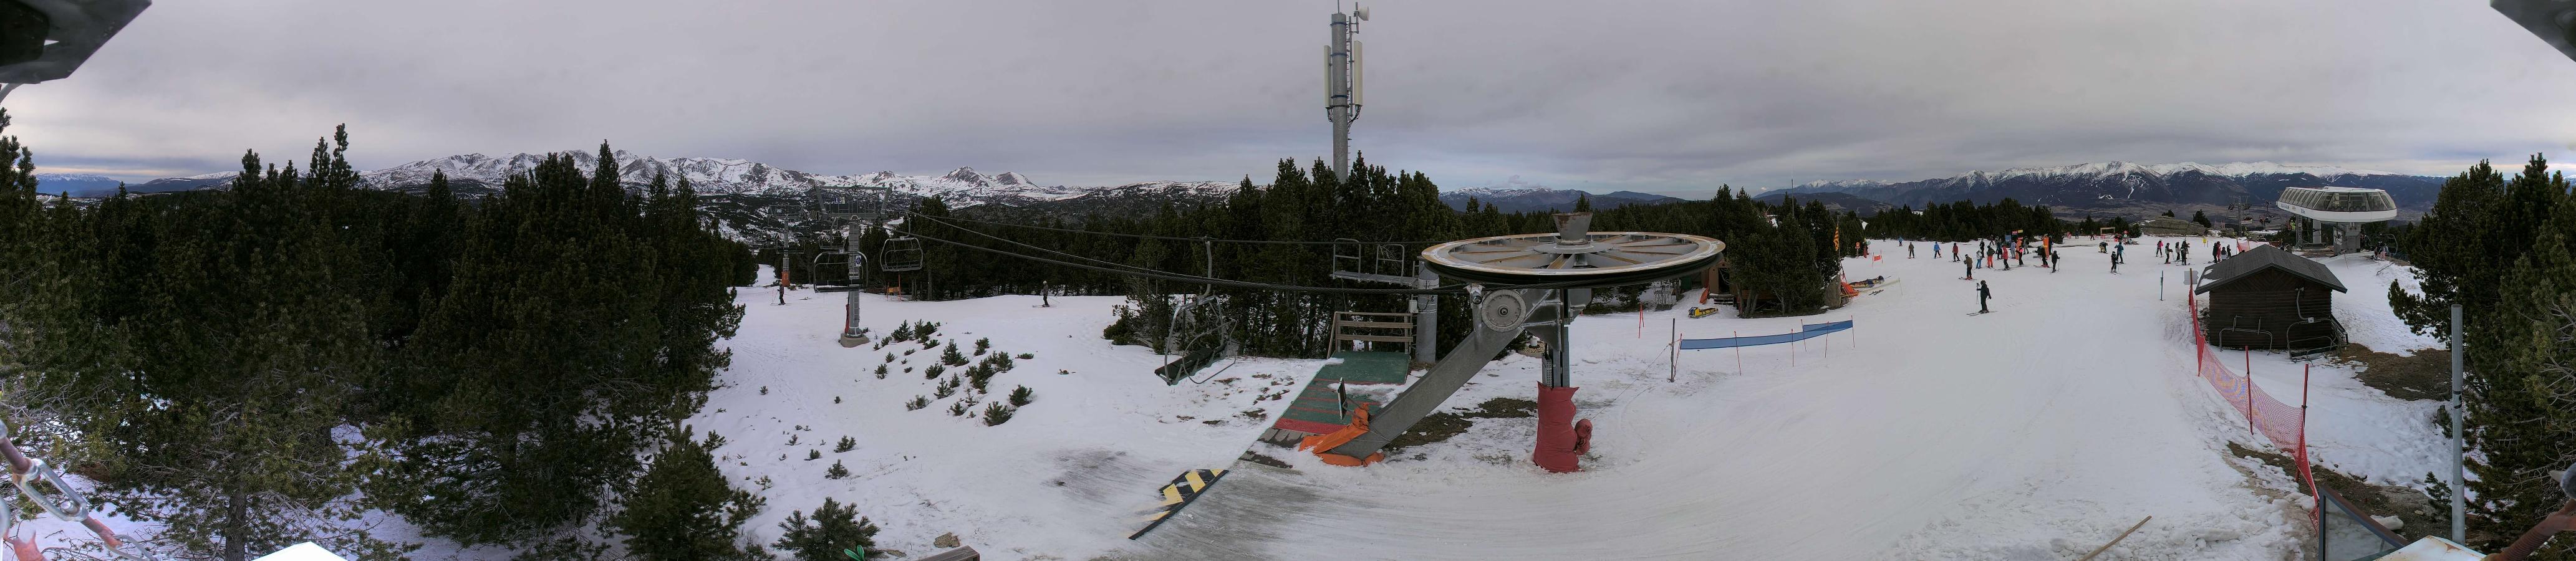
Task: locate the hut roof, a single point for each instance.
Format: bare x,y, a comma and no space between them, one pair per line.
2262,257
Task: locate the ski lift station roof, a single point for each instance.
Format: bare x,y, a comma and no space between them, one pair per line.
2242,266
2347,205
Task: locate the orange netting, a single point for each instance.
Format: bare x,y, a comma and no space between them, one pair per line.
2285,425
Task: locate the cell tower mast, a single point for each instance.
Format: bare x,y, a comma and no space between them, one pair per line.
1342,84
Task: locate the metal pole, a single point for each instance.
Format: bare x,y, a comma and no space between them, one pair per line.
2459,439
1426,321
1673,362
2249,391
1739,350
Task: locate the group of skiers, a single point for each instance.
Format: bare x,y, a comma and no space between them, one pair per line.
1995,254
2179,252
2000,252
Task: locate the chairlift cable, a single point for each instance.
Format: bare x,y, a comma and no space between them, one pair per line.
1174,238
1176,277
1452,289
1026,245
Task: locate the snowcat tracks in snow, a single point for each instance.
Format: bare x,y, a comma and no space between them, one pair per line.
1178,495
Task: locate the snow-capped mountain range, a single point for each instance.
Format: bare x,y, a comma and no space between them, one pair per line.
2115,186
714,176
1536,199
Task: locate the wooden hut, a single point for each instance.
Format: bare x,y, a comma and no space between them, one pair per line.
2266,298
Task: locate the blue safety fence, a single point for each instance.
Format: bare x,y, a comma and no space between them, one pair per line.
1805,332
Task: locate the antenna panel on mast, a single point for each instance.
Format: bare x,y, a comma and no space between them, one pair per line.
1357,78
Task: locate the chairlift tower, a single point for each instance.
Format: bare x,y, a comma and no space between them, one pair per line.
1342,84
854,210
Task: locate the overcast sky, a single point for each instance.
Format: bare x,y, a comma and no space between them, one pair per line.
1673,97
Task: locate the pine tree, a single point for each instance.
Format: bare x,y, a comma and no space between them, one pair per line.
683,508
2201,218
834,530
2521,411
207,384
493,455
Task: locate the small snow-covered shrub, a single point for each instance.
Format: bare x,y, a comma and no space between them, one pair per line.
1022,395
957,409
1027,356
997,413
917,403
846,445
811,455
837,471
984,344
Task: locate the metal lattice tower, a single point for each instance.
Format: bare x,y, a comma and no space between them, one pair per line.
1342,84
854,210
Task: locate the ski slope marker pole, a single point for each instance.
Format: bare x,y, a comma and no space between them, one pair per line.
1673,361
1739,350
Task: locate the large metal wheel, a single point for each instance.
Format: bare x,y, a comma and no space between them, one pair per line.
1572,255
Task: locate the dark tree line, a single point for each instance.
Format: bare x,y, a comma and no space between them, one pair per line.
243,365
2504,249
1965,221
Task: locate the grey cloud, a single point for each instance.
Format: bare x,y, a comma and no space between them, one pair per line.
1671,97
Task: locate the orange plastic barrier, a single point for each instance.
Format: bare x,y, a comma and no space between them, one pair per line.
1322,443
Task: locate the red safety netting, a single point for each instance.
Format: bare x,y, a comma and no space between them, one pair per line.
2285,425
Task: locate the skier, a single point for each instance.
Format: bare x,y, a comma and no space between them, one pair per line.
1971,269
2055,261
1983,294
1909,251
2115,263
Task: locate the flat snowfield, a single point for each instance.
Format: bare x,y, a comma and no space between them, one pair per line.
2036,432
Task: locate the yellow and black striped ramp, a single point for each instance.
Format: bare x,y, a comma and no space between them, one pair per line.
1178,495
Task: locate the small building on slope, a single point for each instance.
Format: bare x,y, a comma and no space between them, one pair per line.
2266,298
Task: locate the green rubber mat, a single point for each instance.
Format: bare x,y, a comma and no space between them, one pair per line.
1366,367
1316,409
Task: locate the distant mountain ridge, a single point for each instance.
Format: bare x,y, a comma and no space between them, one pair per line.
2126,187
753,201
1542,199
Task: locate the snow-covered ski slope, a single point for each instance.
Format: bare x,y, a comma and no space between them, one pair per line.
2037,432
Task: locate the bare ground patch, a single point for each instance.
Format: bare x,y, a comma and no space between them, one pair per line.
1441,426
2427,375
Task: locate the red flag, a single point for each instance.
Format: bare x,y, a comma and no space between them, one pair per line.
1873,258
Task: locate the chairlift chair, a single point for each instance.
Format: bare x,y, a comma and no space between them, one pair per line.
901,253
